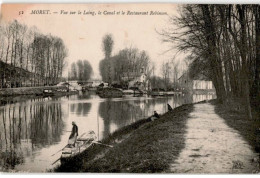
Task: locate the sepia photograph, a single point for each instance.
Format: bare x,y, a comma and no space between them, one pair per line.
129,88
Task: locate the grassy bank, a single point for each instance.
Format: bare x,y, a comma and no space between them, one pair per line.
236,118
143,147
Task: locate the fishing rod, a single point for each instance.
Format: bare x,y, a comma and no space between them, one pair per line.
102,144
58,151
55,161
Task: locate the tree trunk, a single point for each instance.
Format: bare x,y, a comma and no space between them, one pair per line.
243,53
215,63
255,91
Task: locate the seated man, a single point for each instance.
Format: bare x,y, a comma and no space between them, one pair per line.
155,116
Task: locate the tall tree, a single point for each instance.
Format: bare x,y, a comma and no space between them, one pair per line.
107,46
31,57
127,64
81,70
222,42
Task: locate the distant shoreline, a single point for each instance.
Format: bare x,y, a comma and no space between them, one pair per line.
7,92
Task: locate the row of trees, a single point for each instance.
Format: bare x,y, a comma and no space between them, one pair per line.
224,43
41,56
128,63
80,70
170,73
123,66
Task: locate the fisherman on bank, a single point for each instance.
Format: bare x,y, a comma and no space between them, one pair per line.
73,135
155,116
169,107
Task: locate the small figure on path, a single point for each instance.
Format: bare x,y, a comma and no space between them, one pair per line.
169,107
73,135
155,116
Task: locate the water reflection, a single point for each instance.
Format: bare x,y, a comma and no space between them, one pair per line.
116,114
27,127
80,108
32,130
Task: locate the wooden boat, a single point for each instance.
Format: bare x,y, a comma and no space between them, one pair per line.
128,92
48,92
157,93
83,142
169,93
138,92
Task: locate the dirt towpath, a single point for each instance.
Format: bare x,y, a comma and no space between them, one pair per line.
213,147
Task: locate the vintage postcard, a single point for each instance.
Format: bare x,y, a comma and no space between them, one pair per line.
130,88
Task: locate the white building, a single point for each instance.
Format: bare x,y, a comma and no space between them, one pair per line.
136,80
74,85
202,84
194,85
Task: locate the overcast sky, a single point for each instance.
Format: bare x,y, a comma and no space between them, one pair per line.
82,34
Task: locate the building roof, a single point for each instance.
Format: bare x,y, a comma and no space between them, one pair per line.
197,77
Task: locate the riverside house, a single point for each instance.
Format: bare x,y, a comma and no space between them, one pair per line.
136,79
197,85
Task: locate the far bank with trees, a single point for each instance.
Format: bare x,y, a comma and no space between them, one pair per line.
28,57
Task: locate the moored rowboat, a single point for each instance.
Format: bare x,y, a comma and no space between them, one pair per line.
83,142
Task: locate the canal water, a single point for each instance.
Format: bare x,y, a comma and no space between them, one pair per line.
32,130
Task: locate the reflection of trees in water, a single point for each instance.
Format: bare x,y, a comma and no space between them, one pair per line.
125,112
197,98
193,98
157,103
120,113
46,123
10,137
161,104
17,99
81,109
24,126
80,96
84,95
72,107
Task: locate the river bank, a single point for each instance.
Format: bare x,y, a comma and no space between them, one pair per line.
36,125
145,146
10,92
152,146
